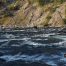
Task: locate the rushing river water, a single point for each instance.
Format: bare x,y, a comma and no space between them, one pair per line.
32,47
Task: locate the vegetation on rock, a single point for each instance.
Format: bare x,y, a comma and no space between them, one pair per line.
29,13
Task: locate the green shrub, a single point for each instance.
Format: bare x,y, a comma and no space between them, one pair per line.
64,21
7,13
61,1
46,25
14,6
49,17
41,2
54,8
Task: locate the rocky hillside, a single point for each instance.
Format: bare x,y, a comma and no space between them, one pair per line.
31,13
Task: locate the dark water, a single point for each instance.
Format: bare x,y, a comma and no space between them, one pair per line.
32,47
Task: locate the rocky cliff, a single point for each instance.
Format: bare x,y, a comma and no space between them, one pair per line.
25,13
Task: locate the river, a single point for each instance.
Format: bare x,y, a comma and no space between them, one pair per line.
32,47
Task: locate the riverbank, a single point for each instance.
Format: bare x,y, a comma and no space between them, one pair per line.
30,13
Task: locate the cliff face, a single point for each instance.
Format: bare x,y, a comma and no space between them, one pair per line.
58,16
32,14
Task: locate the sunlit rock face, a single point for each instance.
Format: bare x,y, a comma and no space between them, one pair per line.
62,10
56,20
58,16
31,13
